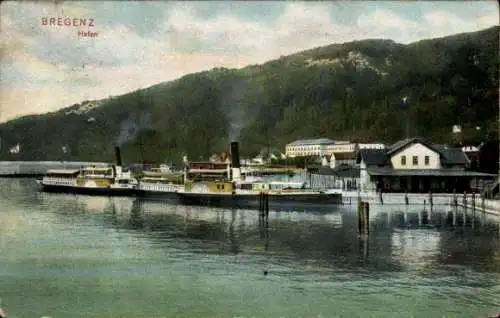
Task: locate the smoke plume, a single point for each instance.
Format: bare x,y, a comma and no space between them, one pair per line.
130,127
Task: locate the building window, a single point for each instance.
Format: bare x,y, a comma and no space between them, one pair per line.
403,160
426,160
415,160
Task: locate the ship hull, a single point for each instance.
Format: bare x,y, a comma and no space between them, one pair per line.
252,201
157,195
88,191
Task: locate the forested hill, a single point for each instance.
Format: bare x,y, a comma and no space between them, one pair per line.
340,91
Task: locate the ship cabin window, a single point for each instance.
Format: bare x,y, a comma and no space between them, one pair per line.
123,181
246,186
61,175
100,172
262,186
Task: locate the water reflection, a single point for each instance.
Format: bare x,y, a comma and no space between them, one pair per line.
398,240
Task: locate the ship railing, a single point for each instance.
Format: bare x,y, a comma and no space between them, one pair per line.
57,181
161,187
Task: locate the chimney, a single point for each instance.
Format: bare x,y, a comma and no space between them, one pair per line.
235,155
118,157
235,161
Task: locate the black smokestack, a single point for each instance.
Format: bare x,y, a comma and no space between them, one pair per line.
118,156
235,155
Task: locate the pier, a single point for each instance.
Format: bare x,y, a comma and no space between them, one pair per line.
33,169
473,201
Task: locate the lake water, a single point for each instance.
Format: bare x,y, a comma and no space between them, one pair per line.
82,256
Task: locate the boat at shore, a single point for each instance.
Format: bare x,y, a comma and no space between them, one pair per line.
221,184
110,181
159,184
232,194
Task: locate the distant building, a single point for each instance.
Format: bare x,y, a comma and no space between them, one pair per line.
472,154
341,147
16,149
371,146
349,147
324,161
308,147
343,158
414,165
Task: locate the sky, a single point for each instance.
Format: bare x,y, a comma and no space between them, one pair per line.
45,66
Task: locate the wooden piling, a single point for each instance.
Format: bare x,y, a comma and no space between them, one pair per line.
464,200
380,198
261,204
363,217
454,200
430,198
360,216
366,217
266,204
483,204
473,199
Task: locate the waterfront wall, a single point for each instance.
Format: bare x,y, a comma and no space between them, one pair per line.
490,206
422,201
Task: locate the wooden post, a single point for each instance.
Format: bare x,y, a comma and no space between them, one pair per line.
363,217
464,200
380,197
430,198
261,204
454,201
455,211
406,198
360,216
473,202
266,202
366,217
483,204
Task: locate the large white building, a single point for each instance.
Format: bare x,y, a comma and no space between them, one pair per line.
349,147
326,147
308,147
340,146
371,146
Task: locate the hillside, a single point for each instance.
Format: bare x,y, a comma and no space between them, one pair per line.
350,90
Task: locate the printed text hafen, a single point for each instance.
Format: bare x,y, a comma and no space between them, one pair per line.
87,34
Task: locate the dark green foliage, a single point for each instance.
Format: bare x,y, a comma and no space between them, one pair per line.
316,93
